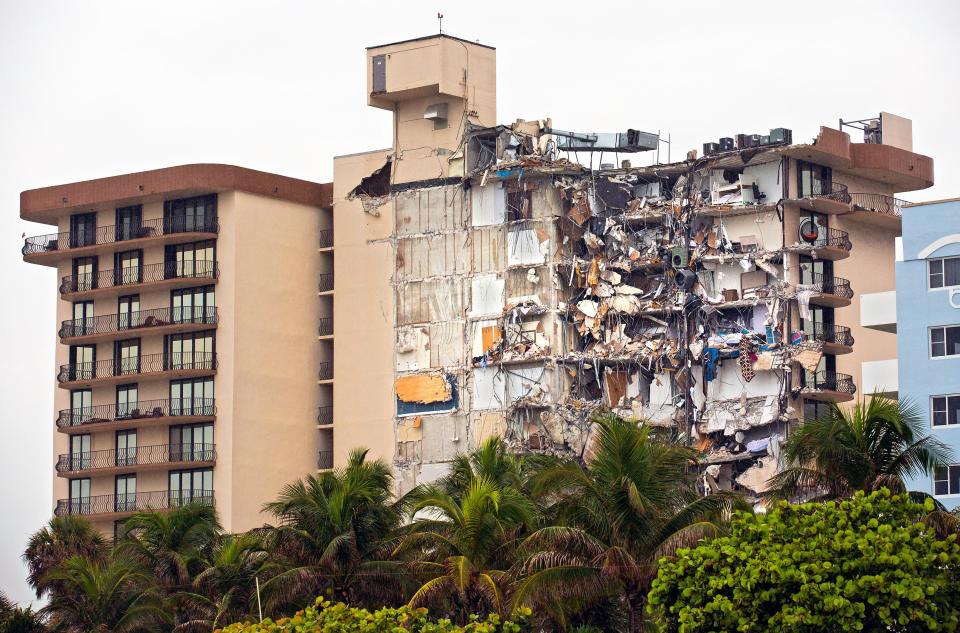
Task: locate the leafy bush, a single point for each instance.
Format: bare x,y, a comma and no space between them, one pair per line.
866,564
340,618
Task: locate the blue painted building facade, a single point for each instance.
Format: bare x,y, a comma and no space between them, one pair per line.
928,331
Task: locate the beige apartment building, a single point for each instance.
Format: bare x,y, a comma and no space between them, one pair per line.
488,279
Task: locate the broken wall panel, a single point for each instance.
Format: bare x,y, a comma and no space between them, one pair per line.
430,210
429,301
488,249
488,205
486,295
422,394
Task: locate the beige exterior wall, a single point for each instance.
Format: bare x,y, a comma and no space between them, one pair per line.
267,353
363,309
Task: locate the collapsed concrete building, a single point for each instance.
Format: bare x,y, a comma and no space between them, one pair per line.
494,284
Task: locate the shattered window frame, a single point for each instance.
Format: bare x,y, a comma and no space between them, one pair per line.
525,194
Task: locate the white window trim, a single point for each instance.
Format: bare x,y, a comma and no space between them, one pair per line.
947,425
933,485
930,330
935,259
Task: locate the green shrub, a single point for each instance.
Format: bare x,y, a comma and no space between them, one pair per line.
325,617
866,564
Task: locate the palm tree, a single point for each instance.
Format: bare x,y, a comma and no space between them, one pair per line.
62,538
876,443
465,530
115,595
172,545
225,591
332,529
633,502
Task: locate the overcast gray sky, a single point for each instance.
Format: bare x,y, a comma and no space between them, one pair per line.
91,89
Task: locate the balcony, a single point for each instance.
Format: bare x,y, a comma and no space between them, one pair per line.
880,376
878,311
827,198
326,371
112,506
326,238
877,209
108,417
325,460
139,458
48,249
326,282
836,339
115,370
326,326
831,244
325,415
829,292
171,274
828,386
158,321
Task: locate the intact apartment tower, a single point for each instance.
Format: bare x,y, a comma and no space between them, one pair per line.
486,283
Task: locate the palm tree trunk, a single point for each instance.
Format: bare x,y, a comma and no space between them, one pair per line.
636,602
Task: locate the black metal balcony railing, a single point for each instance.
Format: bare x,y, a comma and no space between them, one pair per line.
325,415
835,334
878,203
133,502
836,286
830,191
147,364
136,456
80,416
159,317
139,275
326,282
326,326
832,238
829,381
326,238
325,460
117,233
326,371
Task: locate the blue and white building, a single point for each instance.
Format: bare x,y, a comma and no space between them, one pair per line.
927,322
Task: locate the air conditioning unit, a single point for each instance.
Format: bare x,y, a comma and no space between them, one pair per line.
726,144
437,111
710,148
781,135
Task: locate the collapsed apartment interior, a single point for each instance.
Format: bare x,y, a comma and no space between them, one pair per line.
545,277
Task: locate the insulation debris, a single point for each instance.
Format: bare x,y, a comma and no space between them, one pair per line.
423,388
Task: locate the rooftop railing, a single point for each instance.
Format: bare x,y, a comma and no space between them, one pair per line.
159,317
146,364
132,502
139,275
136,456
116,233
144,409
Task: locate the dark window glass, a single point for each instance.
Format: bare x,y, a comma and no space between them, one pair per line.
126,447
129,224
190,260
944,272
945,341
83,229
188,215
84,274
125,489
946,410
128,267
813,180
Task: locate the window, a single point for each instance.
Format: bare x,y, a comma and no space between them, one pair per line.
84,274
193,350
814,229
945,341
191,397
946,480
126,447
190,260
193,305
813,409
820,322
187,486
813,180
125,489
126,357
944,272
191,442
946,410
821,379
80,451
80,496
129,224
127,401
128,312
815,271
83,229
82,319
519,202
83,359
81,406
190,214
128,267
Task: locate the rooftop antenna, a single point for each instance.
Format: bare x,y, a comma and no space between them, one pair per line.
440,19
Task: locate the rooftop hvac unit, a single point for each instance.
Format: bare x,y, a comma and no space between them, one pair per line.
781,135
627,142
710,148
726,144
435,111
